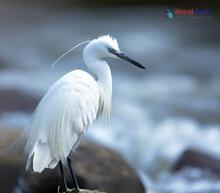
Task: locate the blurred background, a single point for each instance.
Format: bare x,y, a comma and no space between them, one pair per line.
165,120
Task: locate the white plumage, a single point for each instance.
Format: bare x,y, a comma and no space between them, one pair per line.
71,105
62,116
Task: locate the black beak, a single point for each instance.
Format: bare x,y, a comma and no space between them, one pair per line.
125,57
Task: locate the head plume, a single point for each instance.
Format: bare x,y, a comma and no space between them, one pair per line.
110,40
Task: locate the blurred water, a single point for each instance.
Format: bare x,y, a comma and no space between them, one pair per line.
157,113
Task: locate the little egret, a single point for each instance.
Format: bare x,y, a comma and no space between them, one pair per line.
69,107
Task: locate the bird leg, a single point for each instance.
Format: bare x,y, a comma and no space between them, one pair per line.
74,180
64,186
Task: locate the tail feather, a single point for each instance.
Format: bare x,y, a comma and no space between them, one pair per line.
41,158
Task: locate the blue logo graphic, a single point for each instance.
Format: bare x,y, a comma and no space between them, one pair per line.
168,13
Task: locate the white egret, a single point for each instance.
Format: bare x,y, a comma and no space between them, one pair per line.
69,107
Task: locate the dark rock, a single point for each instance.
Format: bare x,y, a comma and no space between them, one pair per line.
96,167
15,100
10,167
9,176
105,170
197,159
90,191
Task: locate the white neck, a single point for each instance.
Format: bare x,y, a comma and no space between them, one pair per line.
100,68
104,78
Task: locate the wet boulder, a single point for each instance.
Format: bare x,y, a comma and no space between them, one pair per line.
96,166
16,100
197,159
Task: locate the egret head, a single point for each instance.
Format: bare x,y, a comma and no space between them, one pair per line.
107,46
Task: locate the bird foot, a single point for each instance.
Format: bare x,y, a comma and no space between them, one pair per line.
73,190
77,190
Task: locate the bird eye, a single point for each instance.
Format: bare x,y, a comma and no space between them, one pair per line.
111,50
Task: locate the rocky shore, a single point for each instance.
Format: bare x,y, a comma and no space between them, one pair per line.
96,168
